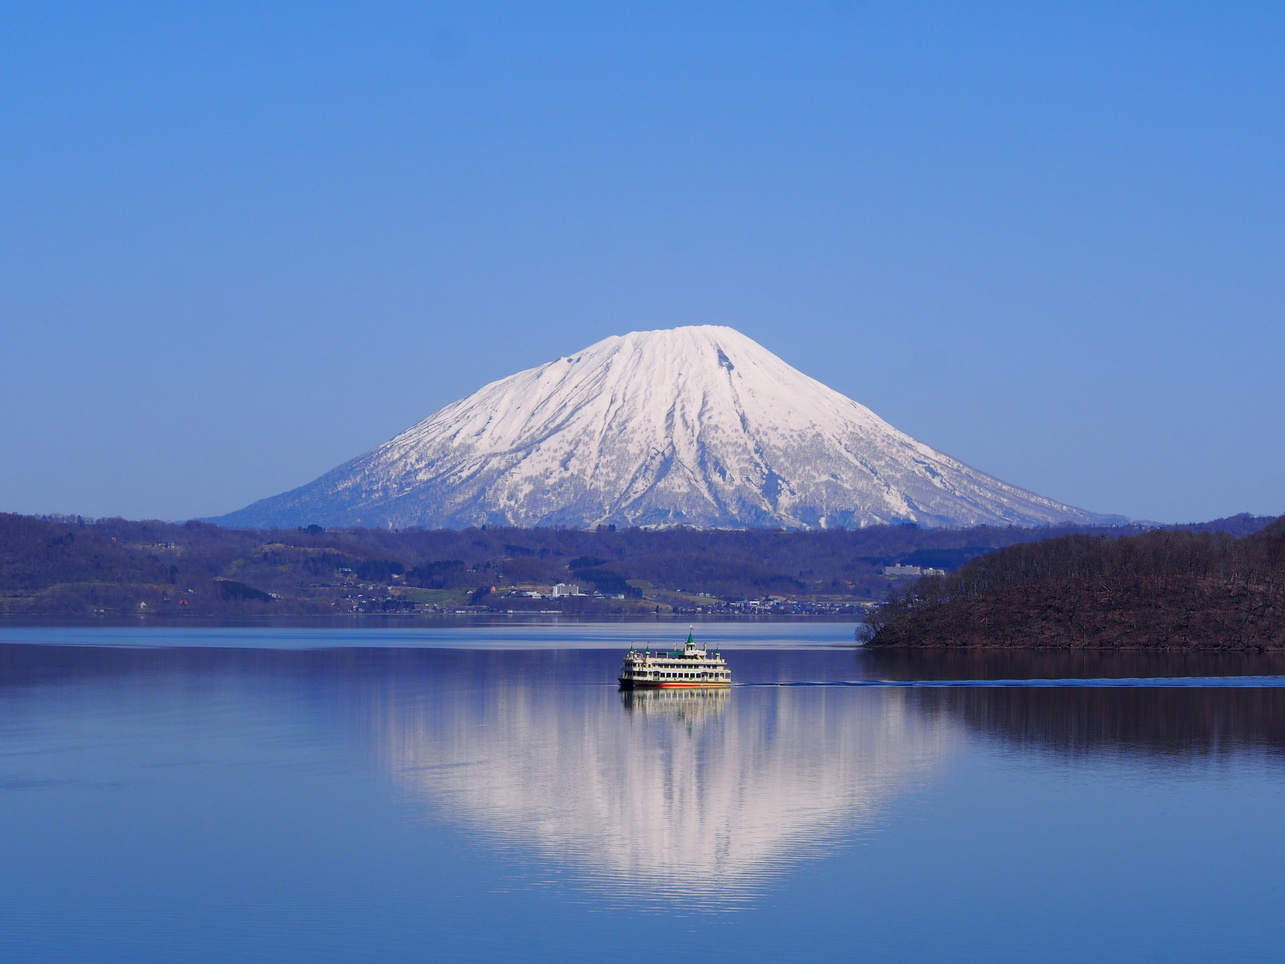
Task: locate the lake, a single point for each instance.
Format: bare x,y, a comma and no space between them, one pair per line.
484,792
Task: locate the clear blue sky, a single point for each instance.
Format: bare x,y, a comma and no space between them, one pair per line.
242,243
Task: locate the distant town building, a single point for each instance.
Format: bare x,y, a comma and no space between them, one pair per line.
565,589
912,571
902,571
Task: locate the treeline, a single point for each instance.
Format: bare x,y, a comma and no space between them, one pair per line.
77,566
1155,590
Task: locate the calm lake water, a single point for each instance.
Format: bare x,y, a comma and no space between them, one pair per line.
484,793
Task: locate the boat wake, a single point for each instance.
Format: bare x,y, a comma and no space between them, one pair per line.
1245,682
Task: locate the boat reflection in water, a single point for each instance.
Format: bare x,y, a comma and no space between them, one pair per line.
686,705
697,794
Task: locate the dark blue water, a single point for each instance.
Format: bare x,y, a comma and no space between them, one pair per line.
255,796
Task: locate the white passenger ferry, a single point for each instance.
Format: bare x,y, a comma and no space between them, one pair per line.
690,666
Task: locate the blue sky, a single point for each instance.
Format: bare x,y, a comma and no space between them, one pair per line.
242,243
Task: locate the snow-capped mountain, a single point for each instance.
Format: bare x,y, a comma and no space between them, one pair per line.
699,426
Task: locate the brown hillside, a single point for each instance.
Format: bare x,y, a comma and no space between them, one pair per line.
1159,590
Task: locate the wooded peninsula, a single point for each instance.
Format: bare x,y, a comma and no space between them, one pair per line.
1159,590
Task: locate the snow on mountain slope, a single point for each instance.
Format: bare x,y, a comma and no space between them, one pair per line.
698,426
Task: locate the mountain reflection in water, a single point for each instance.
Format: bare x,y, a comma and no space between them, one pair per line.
178,803
702,795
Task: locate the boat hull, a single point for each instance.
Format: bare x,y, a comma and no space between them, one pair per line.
633,684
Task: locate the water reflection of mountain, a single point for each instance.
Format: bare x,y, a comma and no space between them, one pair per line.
674,793
700,795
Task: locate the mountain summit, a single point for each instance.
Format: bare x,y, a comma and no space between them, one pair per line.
698,426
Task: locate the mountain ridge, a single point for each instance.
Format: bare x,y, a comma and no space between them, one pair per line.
686,426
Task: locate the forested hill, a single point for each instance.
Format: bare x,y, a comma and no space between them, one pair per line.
1156,590
73,567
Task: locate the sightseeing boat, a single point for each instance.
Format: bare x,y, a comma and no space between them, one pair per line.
690,666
